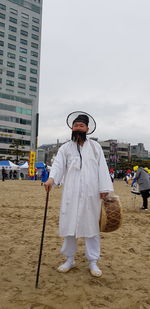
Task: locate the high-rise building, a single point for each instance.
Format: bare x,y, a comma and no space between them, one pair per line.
20,43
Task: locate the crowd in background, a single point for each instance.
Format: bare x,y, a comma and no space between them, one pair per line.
9,174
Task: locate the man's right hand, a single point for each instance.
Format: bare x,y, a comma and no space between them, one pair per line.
48,184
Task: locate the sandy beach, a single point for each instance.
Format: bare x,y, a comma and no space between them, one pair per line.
125,255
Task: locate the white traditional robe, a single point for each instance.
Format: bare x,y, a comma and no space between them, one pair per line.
80,204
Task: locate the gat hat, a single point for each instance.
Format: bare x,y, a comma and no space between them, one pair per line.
80,116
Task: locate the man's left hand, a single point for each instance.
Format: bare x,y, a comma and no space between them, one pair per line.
103,195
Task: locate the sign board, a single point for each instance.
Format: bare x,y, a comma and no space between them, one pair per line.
31,169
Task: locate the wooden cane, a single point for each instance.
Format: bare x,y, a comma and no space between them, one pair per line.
42,239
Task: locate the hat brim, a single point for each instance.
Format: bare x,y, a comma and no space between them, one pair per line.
72,116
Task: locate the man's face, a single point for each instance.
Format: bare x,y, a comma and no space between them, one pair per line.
80,126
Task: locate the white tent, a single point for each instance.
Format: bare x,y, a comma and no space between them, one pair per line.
24,165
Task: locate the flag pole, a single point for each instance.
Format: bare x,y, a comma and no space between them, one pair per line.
42,239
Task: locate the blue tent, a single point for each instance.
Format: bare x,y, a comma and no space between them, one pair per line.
39,165
7,163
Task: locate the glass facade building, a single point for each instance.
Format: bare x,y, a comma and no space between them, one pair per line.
20,44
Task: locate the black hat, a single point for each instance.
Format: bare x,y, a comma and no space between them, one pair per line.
82,118
79,116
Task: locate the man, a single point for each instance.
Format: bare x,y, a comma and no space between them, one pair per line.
3,174
143,181
44,175
81,164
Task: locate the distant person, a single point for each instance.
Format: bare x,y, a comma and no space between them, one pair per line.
14,174
112,174
143,181
21,176
10,174
3,174
44,175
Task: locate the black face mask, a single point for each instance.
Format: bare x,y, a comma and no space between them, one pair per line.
78,136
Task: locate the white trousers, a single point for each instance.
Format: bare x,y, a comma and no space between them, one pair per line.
92,247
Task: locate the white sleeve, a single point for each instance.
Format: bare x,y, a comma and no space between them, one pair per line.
105,182
58,167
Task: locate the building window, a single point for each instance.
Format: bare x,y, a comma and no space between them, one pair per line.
23,111
22,76
15,109
34,62
7,107
1,52
2,6
15,120
0,80
33,79
20,85
34,54
15,98
35,28
15,130
35,37
2,34
24,24
35,20
9,83
24,42
1,61
34,45
32,88
10,64
2,16
23,50
11,37
13,20
2,25
13,29
13,11
25,33
22,68
1,43
1,71
25,16
33,71
32,95
23,59
10,73
10,90
11,46
21,92
10,55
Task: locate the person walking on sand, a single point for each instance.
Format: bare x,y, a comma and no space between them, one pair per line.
143,181
86,180
3,174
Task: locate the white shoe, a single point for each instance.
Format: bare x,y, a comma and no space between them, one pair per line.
94,270
64,268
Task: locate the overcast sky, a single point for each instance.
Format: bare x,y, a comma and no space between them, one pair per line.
95,57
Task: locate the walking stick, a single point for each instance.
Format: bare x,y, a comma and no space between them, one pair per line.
42,239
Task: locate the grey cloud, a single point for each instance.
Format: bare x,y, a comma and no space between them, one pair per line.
95,58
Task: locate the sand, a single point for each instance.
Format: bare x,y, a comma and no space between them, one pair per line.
125,256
